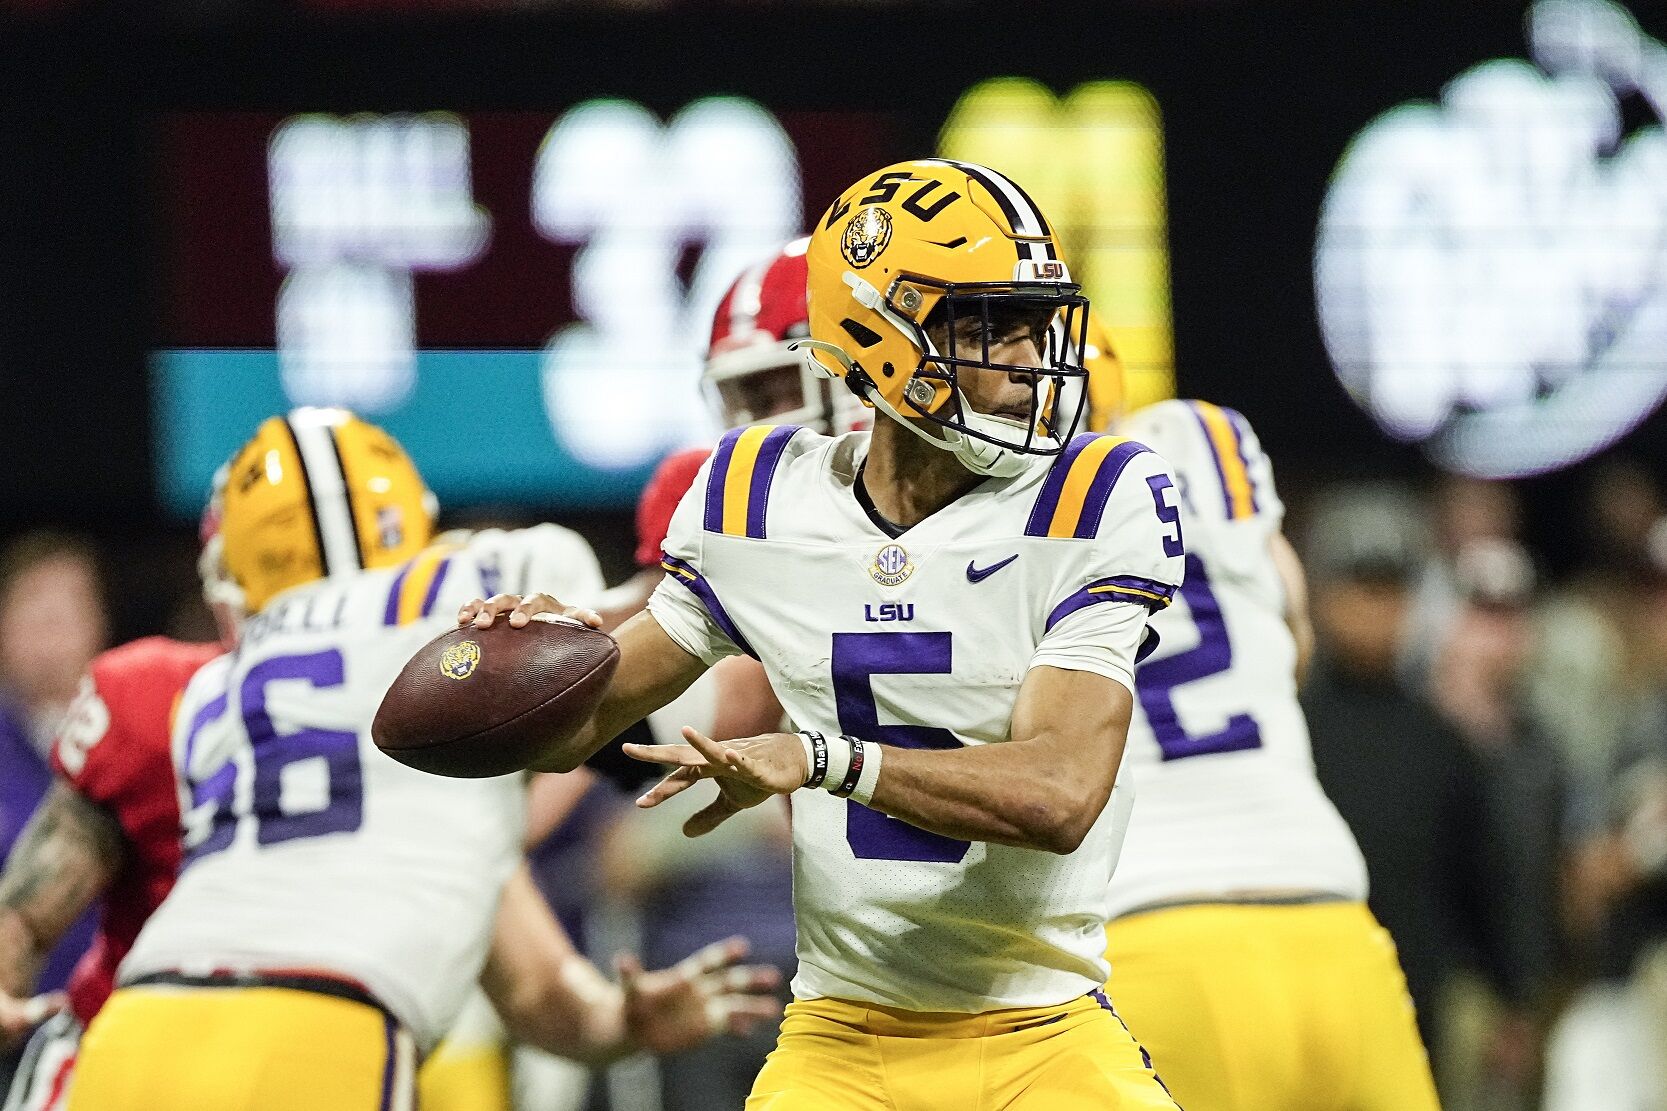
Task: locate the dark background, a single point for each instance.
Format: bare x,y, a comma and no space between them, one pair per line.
1259,101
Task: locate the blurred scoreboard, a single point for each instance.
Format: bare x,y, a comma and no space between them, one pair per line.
524,299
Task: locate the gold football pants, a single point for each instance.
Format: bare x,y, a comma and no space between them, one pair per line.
241,1049
839,1056
1254,1007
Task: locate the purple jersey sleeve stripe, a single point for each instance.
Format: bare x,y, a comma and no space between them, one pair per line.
1240,429
763,472
390,616
1047,502
716,478
685,573
434,586
1111,468
1123,588
390,1038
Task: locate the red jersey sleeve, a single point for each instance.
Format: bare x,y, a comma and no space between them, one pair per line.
671,481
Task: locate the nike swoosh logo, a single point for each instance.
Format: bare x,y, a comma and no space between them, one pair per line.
979,574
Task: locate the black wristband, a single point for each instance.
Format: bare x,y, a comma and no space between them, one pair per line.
819,758
849,784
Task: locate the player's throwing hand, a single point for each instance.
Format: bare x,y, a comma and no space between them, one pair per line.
748,771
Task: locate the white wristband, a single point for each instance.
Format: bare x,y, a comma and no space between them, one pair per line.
863,792
810,757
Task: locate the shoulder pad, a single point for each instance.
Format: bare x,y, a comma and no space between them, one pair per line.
1212,449
1073,496
738,484
416,585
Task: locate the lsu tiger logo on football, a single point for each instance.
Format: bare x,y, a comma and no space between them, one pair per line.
460,660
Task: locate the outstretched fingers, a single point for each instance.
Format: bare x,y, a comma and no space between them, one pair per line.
670,787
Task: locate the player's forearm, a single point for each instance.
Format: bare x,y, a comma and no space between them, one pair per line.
67,856
1012,794
653,669
546,993
21,955
572,1012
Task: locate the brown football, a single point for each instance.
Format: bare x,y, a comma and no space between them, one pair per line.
481,702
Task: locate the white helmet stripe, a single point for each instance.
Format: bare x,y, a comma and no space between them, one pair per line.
328,487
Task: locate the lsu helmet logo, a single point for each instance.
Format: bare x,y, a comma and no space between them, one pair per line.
460,660
891,565
866,236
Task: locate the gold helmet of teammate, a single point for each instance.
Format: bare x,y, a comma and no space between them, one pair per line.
1107,391
314,494
912,250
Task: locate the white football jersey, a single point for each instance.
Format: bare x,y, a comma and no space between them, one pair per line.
921,640
306,848
1218,747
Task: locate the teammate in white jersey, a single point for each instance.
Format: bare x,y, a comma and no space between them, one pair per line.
1241,949
952,605
334,907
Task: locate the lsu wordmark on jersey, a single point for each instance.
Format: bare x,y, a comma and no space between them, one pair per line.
1241,948
331,901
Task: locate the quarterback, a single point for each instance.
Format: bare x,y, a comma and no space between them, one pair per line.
951,607
334,907
1241,947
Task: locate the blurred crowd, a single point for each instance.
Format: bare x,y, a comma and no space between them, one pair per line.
1497,740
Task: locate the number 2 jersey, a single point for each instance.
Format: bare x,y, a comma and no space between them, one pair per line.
921,640
307,850
1218,748
113,749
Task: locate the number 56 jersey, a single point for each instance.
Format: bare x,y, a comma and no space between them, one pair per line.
306,848
920,638
1218,748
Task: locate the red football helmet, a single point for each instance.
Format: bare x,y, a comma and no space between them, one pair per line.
752,374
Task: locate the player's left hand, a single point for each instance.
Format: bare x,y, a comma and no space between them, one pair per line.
19,1016
748,771
702,995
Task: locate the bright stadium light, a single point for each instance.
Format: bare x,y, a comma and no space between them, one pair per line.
1491,270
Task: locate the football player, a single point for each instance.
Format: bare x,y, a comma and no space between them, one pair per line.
109,825
333,906
1241,948
952,606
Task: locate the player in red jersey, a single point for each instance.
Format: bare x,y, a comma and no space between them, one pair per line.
111,825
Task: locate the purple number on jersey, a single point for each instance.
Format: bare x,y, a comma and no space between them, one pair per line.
857,658
1168,514
273,753
216,790
1213,654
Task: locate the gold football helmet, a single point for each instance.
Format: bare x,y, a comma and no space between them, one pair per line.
918,246
1107,391
316,493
